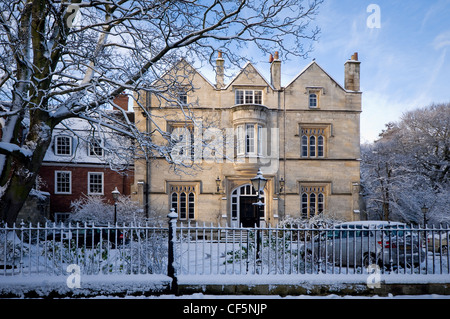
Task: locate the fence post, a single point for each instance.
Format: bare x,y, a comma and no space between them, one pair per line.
172,238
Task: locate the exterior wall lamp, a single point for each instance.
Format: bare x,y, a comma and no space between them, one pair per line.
282,182
218,181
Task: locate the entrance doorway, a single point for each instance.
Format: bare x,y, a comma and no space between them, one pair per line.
243,212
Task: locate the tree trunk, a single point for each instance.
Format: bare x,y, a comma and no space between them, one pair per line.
23,173
14,197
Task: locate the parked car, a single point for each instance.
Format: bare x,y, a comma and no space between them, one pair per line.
90,236
367,242
438,241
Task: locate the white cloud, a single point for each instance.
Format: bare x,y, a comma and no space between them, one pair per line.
380,108
442,40
435,10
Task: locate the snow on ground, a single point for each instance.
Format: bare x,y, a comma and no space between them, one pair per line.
316,279
89,284
201,296
105,286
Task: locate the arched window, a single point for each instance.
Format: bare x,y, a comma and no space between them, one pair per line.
320,203
312,100
182,199
312,200
320,146
174,202
313,142
183,206
304,205
191,205
312,146
304,146
312,204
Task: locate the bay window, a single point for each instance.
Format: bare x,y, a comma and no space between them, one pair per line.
249,139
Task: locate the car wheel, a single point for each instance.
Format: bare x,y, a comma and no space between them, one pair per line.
369,259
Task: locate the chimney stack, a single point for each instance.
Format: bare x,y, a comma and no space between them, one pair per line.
121,101
275,71
352,73
220,72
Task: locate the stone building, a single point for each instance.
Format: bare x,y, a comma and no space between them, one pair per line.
305,138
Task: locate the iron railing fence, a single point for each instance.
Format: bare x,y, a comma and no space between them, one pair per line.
106,249
215,250
401,249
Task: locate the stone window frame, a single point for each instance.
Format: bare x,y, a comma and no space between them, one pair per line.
185,127
313,100
243,145
313,199
317,91
187,209
320,134
248,96
182,97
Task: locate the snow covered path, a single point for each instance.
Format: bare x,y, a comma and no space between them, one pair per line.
260,285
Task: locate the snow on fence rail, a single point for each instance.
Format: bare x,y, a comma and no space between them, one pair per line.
342,249
214,250
106,249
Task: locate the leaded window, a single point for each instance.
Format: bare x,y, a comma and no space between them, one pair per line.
182,200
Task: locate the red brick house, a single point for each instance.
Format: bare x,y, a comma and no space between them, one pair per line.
78,163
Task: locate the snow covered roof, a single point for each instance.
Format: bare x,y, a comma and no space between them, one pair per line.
81,131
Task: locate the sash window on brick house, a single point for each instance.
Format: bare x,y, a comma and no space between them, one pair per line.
95,147
95,183
63,145
63,182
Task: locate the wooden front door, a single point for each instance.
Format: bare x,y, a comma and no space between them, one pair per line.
248,212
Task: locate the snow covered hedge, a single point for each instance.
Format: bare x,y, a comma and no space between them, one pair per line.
95,209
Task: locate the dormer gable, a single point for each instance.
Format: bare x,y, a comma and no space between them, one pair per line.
314,89
181,85
182,73
315,71
249,76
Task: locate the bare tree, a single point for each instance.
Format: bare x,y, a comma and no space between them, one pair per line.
64,59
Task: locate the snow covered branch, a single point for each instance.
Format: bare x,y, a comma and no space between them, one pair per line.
408,167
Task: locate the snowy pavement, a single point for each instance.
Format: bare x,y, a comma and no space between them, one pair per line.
157,286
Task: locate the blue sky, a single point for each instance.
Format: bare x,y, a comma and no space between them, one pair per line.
405,63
